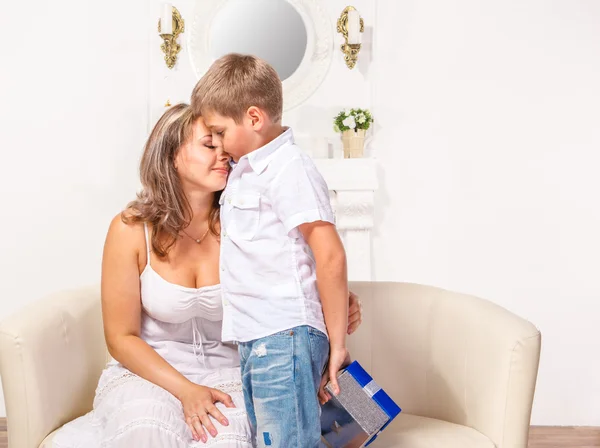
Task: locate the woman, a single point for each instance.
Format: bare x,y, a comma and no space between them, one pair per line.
172,382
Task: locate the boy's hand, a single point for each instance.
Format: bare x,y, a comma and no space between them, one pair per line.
338,359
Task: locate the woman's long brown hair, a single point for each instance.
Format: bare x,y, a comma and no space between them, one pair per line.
162,202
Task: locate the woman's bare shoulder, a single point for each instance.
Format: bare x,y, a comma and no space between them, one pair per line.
124,229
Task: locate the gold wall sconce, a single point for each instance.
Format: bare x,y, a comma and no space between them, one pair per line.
350,25
170,26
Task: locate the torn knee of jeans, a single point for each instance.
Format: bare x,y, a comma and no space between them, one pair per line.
260,351
267,437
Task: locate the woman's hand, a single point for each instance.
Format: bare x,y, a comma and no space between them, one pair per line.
198,404
354,313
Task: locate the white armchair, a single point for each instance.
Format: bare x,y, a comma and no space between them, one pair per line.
51,356
462,369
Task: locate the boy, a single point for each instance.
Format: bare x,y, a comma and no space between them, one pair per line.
278,240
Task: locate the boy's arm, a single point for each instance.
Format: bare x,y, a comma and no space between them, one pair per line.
300,198
332,281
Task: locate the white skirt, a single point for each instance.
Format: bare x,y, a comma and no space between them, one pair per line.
131,412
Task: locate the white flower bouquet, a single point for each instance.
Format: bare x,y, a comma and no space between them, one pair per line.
353,119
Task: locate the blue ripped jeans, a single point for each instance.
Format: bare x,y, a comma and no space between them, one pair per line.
281,374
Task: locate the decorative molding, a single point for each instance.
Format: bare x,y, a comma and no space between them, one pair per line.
354,210
352,184
318,57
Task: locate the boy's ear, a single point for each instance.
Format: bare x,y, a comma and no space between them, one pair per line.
256,117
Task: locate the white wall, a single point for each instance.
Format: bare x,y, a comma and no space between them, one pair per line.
488,130
73,118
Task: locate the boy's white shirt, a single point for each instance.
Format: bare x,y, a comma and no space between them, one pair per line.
268,276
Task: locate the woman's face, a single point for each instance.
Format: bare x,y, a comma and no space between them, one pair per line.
202,166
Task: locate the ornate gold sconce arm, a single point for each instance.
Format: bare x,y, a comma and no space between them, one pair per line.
351,46
170,47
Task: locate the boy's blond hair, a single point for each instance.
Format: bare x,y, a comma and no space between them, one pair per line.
236,82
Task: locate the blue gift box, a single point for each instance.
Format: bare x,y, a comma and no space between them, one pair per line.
356,416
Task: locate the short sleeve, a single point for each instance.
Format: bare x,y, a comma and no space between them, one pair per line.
300,195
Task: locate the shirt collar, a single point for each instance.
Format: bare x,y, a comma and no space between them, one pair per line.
259,159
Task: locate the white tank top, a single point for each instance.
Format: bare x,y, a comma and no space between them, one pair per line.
184,324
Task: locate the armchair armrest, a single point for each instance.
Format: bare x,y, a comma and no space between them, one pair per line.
488,358
51,356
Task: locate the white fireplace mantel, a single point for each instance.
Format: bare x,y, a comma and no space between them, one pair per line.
352,184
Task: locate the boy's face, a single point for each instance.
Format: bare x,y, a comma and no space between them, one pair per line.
236,139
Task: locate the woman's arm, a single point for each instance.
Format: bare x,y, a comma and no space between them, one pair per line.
122,311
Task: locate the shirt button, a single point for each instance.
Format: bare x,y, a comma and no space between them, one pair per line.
229,199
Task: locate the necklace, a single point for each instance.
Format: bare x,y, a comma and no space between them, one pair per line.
198,240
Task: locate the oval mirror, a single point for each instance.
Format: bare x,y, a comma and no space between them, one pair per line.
270,29
294,36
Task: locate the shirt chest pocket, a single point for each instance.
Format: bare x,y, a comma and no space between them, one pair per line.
245,215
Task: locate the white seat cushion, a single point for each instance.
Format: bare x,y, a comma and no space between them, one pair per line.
47,442
410,431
